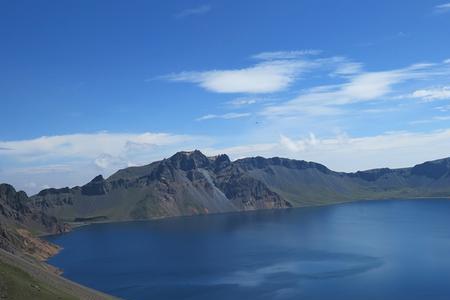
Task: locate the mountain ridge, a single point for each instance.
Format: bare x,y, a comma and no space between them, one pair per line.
189,183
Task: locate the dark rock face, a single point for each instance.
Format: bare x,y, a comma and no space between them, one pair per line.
432,169
249,193
221,162
97,186
371,175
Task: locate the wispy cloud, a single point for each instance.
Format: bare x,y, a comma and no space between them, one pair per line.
361,87
279,71
194,11
275,72
443,108
265,77
86,145
242,101
442,8
228,116
348,68
277,55
431,120
43,169
431,94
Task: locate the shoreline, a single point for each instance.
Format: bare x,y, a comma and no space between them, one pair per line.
75,225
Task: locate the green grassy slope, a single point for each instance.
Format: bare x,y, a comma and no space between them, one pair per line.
22,279
17,284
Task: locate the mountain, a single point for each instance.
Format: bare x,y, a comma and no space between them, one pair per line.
19,225
190,183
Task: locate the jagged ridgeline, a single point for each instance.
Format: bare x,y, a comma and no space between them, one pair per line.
190,183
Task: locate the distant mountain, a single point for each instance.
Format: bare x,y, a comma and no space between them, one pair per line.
190,183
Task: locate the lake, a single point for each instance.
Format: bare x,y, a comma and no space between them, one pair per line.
390,249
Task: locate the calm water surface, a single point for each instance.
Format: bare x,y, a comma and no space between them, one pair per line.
366,250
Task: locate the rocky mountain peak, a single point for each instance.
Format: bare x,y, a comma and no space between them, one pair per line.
6,190
189,160
221,161
96,186
10,197
98,178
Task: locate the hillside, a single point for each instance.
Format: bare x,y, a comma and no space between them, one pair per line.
22,279
190,183
23,272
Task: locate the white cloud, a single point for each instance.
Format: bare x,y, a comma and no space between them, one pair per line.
107,161
276,72
443,108
442,118
431,120
236,152
265,77
362,87
394,149
242,101
200,10
348,68
442,8
43,169
85,145
228,116
299,145
432,94
282,55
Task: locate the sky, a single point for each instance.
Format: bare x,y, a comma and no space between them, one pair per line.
90,86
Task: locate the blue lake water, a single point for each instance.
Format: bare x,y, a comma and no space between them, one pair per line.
364,250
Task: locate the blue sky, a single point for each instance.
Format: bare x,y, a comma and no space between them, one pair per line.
87,87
